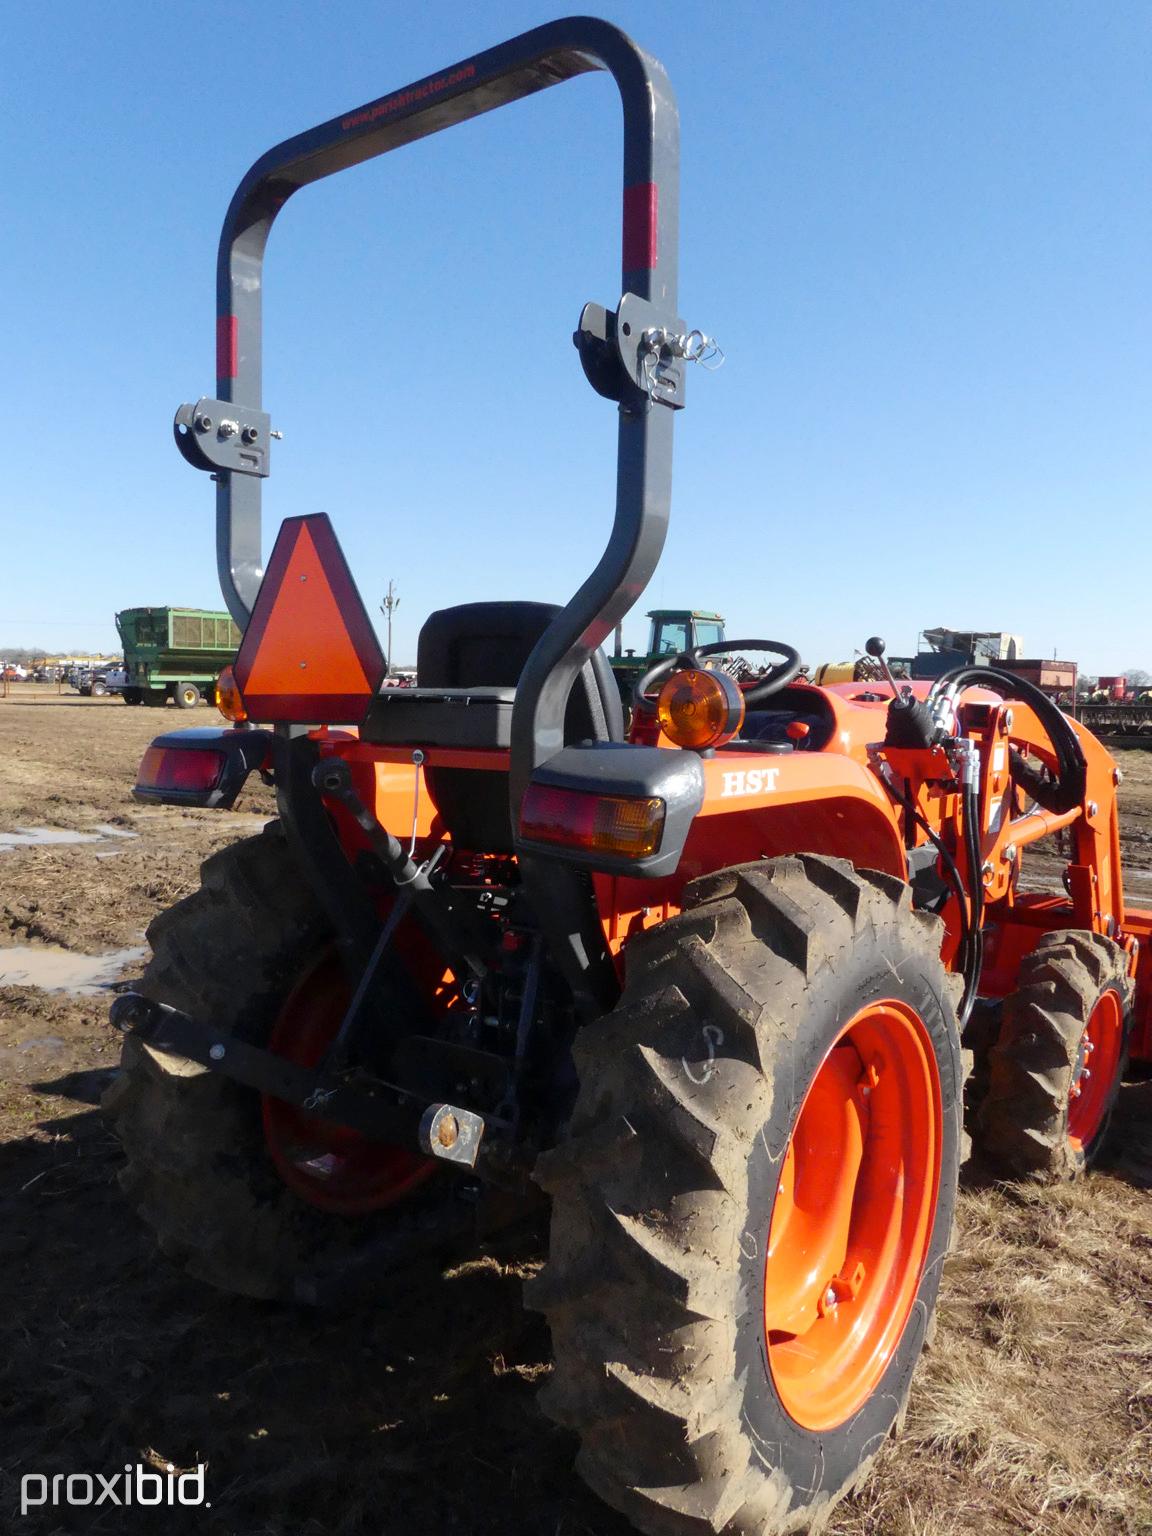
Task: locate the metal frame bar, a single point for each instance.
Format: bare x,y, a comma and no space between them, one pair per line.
385,1111
532,62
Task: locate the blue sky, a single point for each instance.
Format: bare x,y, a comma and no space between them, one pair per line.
921,232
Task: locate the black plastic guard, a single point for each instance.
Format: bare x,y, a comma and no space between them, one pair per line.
243,750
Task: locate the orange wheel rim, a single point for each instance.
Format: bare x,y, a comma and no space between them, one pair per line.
853,1215
330,1166
1097,1063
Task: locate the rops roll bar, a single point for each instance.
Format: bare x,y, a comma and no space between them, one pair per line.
634,355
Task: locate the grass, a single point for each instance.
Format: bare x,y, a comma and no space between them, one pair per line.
1033,1409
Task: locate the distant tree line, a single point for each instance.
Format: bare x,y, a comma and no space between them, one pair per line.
22,656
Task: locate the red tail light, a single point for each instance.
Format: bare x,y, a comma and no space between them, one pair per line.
172,768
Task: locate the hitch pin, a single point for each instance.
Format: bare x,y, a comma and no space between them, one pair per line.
693,346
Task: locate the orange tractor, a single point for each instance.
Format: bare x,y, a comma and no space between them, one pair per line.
714,988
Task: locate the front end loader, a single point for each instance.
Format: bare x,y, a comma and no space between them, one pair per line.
713,987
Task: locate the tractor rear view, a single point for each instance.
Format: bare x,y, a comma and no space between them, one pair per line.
714,986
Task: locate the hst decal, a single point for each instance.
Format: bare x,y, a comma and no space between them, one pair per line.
750,781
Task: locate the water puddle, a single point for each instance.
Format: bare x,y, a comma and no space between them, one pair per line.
53,969
44,837
55,837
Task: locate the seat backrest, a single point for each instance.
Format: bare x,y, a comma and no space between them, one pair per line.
485,645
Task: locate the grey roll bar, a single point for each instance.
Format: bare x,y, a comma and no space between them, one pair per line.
229,435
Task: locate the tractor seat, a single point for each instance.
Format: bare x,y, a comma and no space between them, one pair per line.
441,717
468,662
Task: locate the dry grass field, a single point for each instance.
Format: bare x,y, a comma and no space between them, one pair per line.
417,1414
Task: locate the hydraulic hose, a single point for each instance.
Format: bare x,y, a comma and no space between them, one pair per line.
1072,769
970,954
1061,795
976,876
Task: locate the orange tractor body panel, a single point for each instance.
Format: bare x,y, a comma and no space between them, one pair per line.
832,800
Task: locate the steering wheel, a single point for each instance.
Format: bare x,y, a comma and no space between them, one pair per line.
778,676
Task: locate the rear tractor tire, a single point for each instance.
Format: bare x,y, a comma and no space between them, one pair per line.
752,1208
247,1193
1056,1067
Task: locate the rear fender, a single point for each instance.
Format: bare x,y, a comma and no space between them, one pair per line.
763,805
204,766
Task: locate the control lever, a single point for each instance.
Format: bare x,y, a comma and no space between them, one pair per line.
875,648
910,722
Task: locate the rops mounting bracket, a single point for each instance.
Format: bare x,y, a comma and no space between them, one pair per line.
632,350
218,434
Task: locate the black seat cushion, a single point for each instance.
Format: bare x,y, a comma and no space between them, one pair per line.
441,717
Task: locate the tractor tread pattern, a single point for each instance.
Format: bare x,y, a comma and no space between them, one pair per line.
1023,1116
641,1290
196,1167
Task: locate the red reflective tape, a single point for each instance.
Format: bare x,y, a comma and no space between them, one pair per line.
227,346
641,207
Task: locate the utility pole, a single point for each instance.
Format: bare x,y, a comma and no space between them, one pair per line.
387,608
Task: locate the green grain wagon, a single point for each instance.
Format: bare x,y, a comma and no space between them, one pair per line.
175,653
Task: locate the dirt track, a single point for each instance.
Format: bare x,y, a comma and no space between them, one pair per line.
1033,1413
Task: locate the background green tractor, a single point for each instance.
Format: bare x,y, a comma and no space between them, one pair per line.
673,631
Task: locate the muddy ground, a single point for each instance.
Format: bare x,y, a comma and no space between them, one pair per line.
417,1414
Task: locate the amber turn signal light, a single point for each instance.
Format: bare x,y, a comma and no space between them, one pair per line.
700,709
572,818
229,700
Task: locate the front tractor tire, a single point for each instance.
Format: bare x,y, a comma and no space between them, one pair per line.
1055,1070
755,1199
247,1193
187,696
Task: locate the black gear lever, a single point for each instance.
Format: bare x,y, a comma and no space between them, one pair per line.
875,648
910,722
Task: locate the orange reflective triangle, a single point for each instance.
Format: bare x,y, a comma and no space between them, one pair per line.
309,654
